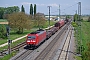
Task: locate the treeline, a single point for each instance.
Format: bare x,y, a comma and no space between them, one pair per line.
19,20
77,18
4,11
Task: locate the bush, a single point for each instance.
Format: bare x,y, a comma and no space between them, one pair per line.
2,31
74,24
19,32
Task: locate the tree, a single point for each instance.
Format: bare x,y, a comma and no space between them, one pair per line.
5,11
34,9
31,9
2,31
67,17
39,21
1,12
75,17
19,21
12,9
22,9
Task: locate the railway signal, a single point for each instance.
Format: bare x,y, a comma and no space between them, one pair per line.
9,41
8,30
9,46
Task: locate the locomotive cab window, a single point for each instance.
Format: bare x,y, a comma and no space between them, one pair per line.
31,37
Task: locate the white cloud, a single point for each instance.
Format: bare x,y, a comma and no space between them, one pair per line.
28,3
54,5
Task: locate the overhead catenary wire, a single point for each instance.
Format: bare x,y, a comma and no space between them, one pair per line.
64,9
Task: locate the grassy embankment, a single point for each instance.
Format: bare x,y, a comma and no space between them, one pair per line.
83,35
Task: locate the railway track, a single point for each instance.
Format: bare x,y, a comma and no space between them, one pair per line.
17,47
39,53
22,55
50,50
64,51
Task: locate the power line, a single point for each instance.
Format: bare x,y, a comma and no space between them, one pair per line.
55,11
70,6
64,9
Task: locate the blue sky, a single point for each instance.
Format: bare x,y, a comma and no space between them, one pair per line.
66,6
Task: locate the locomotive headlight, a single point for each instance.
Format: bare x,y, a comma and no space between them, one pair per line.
34,41
28,41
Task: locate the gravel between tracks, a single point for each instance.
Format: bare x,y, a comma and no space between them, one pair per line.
36,52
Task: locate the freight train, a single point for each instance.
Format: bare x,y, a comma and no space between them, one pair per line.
34,39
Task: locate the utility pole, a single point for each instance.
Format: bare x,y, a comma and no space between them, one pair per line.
59,11
79,10
49,14
77,16
79,22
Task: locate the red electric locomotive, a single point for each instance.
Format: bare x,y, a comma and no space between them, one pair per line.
35,38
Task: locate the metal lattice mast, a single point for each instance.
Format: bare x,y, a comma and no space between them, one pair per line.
49,15
59,11
79,23
79,10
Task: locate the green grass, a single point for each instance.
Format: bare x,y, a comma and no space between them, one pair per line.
3,20
85,33
78,58
51,23
7,57
46,24
14,36
84,36
13,44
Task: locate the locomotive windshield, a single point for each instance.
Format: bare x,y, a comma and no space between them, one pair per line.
31,37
